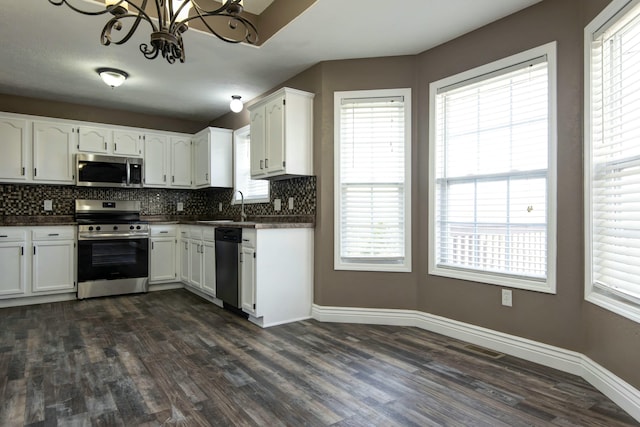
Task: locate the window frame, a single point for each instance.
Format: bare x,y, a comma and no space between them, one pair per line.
594,294
548,285
339,264
244,132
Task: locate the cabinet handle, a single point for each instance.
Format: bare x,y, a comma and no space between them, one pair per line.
241,257
164,232
4,235
115,146
261,164
23,171
245,240
21,250
53,234
173,178
266,163
206,176
152,246
164,178
105,146
35,171
34,250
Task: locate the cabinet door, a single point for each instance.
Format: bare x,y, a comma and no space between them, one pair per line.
126,143
257,141
13,146
53,266
181,162
248,280
163,260
274,146
94,140
209,267
201,160
12,266
53,145
184,261
195,263
155,162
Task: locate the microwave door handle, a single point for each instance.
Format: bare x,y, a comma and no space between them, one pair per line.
128,167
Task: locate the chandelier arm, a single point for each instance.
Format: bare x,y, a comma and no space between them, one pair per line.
107,9
116,23
250,33
217,11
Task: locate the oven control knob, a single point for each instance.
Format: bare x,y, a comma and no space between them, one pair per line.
91,228
131,227
138,227
98,228
115,227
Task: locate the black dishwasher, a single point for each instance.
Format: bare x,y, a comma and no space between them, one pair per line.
227,267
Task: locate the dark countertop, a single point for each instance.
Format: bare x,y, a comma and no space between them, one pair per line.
39,220
263,222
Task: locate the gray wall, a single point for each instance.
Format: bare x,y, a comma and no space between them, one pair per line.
564,319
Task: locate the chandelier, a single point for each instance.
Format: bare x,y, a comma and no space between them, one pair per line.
170,21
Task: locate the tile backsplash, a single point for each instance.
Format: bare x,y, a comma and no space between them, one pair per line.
26,200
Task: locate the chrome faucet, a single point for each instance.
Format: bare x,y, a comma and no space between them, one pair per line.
243,216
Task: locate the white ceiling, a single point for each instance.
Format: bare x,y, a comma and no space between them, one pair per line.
52,52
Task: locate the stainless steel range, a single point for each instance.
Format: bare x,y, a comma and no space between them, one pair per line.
113,248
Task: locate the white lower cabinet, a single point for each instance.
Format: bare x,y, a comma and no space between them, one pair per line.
163,257
13,243
198,268
276,274
37,261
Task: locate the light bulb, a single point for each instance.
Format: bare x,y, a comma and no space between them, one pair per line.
235,104
112,77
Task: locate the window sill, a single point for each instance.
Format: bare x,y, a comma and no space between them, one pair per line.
395,268
614,304
514,282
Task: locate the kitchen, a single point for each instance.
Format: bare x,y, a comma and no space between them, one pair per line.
416,292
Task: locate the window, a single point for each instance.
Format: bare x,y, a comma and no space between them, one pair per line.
612,159
492,173
372,180
254,190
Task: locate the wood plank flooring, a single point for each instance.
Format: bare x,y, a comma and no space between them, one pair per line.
172,359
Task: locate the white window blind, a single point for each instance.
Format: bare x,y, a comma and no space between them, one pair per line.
372,202
491,175
614,167
254,190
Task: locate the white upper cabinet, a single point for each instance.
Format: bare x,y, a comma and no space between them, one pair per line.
53,147
127,143
94,139
156,154
213,158
14,146
167,161
282,135
180,160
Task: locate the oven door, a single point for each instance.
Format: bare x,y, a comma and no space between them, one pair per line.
113,259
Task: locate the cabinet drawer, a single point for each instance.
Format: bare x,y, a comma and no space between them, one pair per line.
209,233
195,233
12,234
249,238
53,233
163,230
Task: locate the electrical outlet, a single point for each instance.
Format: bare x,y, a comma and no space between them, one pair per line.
180,206
48,205
220,207
290,203
507,298
277,205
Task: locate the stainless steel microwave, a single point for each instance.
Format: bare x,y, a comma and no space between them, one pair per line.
97,170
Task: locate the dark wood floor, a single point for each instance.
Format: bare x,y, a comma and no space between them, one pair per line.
169,358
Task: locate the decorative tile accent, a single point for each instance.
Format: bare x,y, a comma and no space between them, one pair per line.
27,200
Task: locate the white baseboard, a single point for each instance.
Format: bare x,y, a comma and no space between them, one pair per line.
39,299
619,391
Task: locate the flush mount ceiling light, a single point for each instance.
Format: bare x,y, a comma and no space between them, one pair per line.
112,76
169,22
235,104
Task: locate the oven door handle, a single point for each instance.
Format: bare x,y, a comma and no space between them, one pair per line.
112,237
